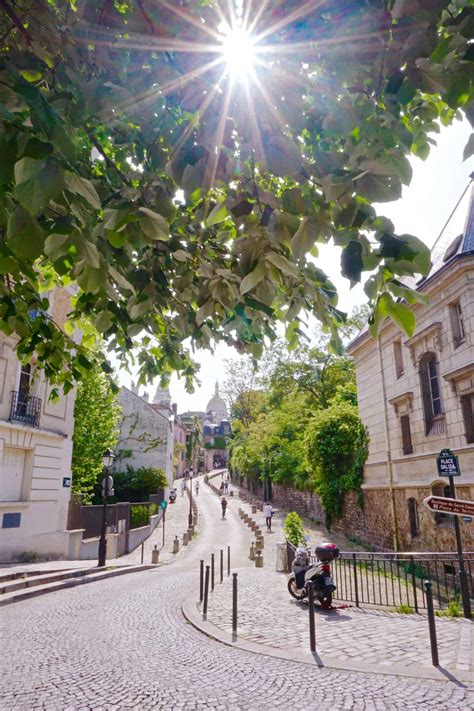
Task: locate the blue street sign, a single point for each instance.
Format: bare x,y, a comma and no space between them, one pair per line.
163,505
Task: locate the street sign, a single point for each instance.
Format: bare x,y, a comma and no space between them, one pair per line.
163,505
456,507
67,481
448,464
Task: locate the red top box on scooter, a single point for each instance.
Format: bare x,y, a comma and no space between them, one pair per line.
327,552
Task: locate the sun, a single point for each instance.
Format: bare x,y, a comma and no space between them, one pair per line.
238,52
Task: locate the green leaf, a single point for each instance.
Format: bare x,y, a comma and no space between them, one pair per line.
390,165
251,280
282,264
218,214
181,255
91,254
53,245
154,225
120,279
378,188
304,237
352,262
37,182
204,312
403,317
25,236
433,76
83,187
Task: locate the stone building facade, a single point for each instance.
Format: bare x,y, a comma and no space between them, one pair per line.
35,456
146,432
416,397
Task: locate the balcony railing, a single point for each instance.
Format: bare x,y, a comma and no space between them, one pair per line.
25,409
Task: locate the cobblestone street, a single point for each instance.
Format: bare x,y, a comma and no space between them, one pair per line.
124,644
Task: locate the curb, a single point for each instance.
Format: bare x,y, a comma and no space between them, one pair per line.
73,582
192,615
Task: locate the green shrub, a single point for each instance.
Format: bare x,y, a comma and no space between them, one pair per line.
139,516
294,529
336,449
453,609
404,610
137,484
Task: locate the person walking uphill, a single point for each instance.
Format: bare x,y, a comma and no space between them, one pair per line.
223,506
268,512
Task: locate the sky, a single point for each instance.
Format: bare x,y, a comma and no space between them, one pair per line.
422,210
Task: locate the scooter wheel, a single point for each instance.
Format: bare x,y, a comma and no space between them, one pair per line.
294,592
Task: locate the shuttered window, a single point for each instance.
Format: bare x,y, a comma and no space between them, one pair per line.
397,352
413,518
407,446
457,323
467,404
431,395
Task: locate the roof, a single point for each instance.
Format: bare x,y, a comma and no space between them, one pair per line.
446,250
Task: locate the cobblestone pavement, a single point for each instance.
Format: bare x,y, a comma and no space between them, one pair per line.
176,523
123,644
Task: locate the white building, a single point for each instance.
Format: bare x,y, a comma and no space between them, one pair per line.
416,397
35,457
146,431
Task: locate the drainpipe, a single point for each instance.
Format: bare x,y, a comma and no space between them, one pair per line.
388,452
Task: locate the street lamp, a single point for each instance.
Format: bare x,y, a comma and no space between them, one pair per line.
107,490
190,515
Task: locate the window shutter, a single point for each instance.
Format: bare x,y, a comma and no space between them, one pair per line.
407,446
426,395
467,405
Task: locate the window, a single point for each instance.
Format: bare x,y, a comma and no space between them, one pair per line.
407,446
12,472
441,519
467,405
397,350
457,323
431,395
413,518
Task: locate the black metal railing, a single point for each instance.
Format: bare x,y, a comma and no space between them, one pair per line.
25,409
395,580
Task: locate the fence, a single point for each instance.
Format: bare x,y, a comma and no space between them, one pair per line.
396,579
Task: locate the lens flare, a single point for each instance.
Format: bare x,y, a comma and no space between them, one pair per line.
239,52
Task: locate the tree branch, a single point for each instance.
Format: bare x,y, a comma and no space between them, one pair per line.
16,21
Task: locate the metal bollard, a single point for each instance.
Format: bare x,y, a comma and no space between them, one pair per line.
206,592
185,538
222,564
312,631
356,587
258,560
201,580
155,555
234,603
252,552
143,552
431,622
212,571
176,545
228,560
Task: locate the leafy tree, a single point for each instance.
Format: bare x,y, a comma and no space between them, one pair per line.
336,449
110,110
294,529
96,419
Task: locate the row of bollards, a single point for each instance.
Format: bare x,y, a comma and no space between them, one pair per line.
256,548
207,580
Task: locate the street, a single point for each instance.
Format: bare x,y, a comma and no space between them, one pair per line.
124,644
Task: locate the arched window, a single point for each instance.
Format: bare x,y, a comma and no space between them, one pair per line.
441,519
431,395
413,517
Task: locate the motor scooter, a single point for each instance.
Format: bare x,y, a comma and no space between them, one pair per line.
319,573
173,495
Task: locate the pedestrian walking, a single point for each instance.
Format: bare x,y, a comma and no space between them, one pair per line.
183,486
223,506
226,487
197,488
221,488
268,511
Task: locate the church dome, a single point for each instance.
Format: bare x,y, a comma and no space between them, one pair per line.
217,405
162,396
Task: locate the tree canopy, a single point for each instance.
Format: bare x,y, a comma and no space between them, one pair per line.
182,203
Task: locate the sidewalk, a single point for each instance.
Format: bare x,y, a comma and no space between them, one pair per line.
271,622
176,523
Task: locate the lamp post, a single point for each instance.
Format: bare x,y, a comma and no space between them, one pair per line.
190,515
107,490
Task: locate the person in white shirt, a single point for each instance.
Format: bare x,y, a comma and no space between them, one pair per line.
268,513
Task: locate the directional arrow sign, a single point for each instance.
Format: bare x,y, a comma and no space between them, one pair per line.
457,507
